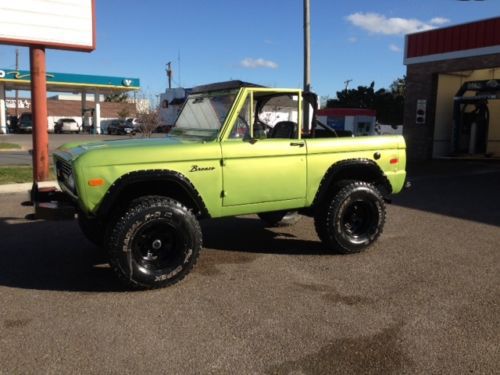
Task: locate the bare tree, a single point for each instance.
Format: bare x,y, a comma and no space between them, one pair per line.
149,120
123,113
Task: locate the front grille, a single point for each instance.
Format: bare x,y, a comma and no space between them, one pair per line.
64,172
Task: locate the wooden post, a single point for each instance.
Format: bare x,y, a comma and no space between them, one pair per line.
39,114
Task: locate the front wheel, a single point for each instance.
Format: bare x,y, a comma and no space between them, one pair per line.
154,243
352,219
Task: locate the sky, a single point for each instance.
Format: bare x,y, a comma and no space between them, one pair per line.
259,41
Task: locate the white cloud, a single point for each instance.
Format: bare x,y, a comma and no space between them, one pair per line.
394,48
268,41
438,21
352,39
257,63
380,24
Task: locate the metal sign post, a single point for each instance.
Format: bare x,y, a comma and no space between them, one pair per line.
39,114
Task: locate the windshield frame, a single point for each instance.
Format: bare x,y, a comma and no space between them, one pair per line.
206,133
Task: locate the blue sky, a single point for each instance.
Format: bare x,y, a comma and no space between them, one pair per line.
257,40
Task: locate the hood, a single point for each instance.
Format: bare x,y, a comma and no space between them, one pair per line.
75,149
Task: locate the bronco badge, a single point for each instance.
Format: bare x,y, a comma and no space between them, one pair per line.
195,168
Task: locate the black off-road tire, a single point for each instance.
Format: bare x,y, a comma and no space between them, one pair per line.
93,229
351,219
154,243
280,218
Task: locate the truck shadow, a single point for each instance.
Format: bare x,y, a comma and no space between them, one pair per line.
248,234
54,255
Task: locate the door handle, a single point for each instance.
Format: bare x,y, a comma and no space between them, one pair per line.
299,144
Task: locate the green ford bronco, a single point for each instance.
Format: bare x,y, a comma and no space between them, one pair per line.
236,149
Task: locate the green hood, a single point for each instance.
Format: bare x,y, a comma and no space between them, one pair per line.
74,149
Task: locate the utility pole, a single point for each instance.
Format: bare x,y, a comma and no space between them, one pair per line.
307,46
347,83
169,74
17,91
307,61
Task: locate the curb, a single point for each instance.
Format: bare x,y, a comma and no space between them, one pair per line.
22,149
25,187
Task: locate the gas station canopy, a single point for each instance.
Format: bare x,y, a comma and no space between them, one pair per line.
64,82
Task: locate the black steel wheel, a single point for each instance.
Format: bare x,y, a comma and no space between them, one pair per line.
154,243
352,219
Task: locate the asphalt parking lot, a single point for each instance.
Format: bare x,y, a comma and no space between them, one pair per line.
425,299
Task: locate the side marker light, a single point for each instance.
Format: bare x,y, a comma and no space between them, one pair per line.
96,182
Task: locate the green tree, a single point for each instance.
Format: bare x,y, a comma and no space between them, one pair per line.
117,97
389,104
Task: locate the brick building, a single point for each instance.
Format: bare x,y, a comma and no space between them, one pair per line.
453,83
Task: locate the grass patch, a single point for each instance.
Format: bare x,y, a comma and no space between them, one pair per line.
18,174
9,146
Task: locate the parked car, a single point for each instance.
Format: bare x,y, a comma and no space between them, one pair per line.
12,124
117,127
25,123
135,124
66,125
221,165
163,128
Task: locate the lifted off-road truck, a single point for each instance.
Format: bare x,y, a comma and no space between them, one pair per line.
236,149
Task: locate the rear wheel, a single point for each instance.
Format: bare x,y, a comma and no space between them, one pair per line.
352,219
154,243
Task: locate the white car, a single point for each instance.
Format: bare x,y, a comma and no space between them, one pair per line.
66,125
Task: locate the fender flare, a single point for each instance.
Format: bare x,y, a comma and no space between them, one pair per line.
152,176
365,165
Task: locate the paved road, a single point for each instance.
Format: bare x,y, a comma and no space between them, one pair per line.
424,299
15,158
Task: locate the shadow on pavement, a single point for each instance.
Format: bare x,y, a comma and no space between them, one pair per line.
54,255
51,256
247,234
467,190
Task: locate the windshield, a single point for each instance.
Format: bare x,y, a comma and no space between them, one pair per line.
204,114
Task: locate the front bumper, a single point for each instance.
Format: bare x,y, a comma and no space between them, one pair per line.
52,204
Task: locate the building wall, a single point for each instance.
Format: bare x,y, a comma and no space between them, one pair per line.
494,129
422,83
73,108
448,86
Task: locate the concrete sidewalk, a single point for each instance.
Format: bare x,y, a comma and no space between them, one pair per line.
25,187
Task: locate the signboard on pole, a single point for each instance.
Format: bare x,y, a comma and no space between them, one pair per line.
41,24
60,24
